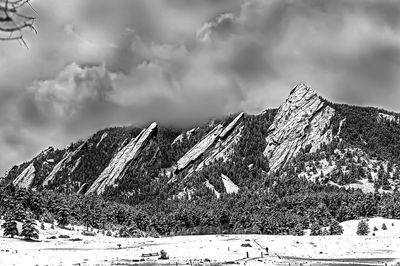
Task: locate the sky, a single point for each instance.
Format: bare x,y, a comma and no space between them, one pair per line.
97,63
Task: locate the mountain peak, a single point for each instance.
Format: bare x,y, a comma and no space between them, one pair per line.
301,92
301,120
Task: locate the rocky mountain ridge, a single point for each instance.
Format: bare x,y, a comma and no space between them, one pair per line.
304,136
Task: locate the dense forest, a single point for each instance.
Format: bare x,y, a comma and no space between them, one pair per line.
286,207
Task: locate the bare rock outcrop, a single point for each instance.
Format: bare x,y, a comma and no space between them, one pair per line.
195,152
101,139
382,117
212,188
303,120
186,134
218,143
68,156
230,187
25,179
118,164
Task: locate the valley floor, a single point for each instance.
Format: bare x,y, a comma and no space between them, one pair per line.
347,249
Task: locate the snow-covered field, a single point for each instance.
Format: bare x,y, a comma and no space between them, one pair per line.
103,250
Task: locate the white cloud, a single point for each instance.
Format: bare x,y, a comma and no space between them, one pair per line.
72,89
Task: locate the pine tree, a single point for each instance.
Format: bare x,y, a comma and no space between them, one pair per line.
315,229
10,226
335,228
384,227
29,230
19,213
298,230
63,216
362,228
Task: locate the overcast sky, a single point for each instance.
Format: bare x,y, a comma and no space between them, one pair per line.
97,63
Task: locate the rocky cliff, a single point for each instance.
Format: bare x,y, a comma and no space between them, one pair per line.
230,187
302,121
116,168
216,144
25,179
61,165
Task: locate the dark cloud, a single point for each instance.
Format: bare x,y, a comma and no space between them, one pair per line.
100,63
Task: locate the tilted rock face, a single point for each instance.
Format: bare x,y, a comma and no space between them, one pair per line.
382,117
116,168
215,145
25,179
195,152
186,134
101,139
61,164
304,119
230,187
212,188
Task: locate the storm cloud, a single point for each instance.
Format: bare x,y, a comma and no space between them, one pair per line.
99,63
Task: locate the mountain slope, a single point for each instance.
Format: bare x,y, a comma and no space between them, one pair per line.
307,137
117,165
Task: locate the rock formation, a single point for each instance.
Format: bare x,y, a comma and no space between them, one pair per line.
68,156
25,179
186,134
195,152
101,139
230,187
216,144
117,166
212,188
382,117
303,120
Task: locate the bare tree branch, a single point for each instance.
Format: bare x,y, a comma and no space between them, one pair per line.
13,22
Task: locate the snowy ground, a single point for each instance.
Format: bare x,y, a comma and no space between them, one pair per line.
305,250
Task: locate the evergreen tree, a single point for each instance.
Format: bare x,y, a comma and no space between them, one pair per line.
335,228
29,230
298,230
362,228
384,227
63,215
19,213
10,226
315,229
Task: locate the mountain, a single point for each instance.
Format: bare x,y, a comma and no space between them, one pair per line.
308,137
309,164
